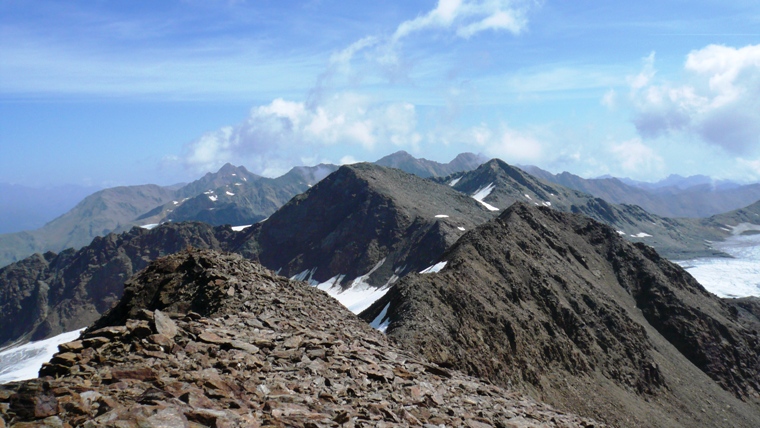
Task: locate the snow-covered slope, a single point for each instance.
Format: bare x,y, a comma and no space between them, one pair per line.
24,362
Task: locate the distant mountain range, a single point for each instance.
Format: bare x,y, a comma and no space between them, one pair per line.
694,197
232,195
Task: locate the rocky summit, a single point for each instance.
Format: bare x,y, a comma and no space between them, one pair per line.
202,338
563,308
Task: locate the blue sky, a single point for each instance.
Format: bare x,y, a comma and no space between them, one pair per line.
110,93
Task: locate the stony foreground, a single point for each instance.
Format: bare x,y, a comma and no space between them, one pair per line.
205,339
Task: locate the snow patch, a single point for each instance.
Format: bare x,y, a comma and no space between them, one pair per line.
461,228
482,193
454,182
208,192
529,198
175,202
149,226
380,322
743,227
213,198
547,204
641,235
359,295
620,232
441,216
435,268
24,361
730,277
239,228
229,193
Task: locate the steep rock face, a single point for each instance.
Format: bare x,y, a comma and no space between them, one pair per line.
501,185
562,306
208,339
363,218
45,295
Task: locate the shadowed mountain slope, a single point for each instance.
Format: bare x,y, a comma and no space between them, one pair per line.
563,307
359,219
45,295
208,339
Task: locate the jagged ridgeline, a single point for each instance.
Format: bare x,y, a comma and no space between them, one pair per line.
563,308
202,338
363,218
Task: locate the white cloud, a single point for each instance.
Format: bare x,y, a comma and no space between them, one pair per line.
637,158
505,143
348,160
720,102
467,18
286,132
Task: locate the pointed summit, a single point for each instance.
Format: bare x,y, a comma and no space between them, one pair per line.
363,219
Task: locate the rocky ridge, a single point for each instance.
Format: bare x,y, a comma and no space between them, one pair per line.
503,185
363,221
49,294
208,339
565,309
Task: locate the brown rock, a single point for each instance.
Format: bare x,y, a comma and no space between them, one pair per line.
137,373
161,340
210,337
95,342
71,346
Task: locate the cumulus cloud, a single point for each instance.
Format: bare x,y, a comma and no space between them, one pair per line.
720,101
284,133
637,158
504,143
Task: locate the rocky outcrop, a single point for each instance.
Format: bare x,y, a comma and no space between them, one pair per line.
45,295
562,307
207,339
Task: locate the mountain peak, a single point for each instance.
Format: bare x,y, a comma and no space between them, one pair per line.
560,305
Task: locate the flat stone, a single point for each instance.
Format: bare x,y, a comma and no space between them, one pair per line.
71,346
95,342
164,324
213,338
138,373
